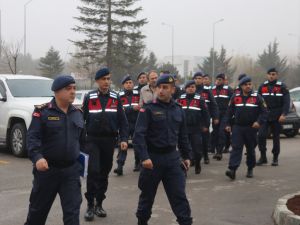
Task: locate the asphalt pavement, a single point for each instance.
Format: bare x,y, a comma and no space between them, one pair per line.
214,199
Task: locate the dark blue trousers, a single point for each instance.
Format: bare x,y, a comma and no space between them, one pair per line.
46,185
243,136
168,170
205,143
262,137
195,140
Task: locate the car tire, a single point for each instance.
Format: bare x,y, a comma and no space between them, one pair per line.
17,140
291,133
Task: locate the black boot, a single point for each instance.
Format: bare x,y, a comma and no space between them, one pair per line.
226,150
89,214
262,160
99,211
136,167
275,161
142,222
119,170
206,160
219,156
249,173
230,174
197,167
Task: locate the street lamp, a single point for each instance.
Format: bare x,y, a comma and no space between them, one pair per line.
25,6
298,37
0,34
213,48
172,28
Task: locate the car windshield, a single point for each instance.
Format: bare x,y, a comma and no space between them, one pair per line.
30,87
295,96
78,96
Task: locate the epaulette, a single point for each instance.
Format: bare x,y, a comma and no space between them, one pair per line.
225,87
113,94
279,83
135,92
183,96
254,94
197,96
266,82
122,93
213,87
136,87
42,106
207,87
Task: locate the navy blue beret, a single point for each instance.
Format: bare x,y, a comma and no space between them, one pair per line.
245,80
140,74
198,74
189,83
61,82
165,79
101,73
126,78
272,70
241,76
221,75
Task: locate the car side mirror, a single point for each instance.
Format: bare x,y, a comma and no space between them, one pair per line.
2,98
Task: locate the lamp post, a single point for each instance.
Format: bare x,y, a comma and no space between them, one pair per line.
0,34
25,7
213,48
298,37
172,38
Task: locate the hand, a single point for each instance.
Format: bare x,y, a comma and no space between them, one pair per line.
41,165
136,107
281,119
187,163
123,146
204,129
228,129
256,125
216,121
147,164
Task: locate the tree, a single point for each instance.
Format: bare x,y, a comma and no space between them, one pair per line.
270,58
51,65
11,53
222,63
150,62
112,35
168,67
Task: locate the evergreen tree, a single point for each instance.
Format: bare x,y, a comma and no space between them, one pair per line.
270,58
112,35
51,65
150,62
168,67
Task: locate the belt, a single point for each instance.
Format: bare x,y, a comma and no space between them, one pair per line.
60,164
161,150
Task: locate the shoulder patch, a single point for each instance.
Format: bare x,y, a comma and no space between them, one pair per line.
36,114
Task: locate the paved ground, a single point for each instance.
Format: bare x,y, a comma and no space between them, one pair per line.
214,199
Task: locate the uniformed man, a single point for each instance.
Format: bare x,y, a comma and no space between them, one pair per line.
178,90
222,94
160,127
277,98
249,112
238,89
130,101
206,80
142,81
54,139
197,120
105,121
205,92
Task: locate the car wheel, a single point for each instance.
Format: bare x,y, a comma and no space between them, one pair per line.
17,140
291,133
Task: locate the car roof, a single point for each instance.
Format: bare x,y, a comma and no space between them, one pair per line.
12,76
295,89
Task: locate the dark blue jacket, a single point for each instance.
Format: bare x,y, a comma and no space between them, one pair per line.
161,126
104,115
222,94
205,93
246,110
55,135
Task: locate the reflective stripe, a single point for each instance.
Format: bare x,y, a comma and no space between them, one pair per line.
134,104
126,105
207,101
93,97
279,94
194,108
184,107
135,92
111,110
95,111
265,94
251,105
239,105
223,96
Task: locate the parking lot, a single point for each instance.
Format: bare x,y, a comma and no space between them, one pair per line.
214,199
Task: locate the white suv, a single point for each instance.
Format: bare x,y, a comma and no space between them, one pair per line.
18,95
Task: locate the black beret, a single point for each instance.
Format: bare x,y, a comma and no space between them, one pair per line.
126,78
165,79
241,76
198,74
245,80
61,82
101,73
272,70
221,75
140,74
189,83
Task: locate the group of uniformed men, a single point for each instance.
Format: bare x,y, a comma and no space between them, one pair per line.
169,128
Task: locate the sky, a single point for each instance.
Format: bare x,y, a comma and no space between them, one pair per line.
248,26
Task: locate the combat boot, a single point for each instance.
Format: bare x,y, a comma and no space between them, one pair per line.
142,222
136,167
249,173
119,170
230,174
197,167
275,161
89,214
99,211
219,156
262,160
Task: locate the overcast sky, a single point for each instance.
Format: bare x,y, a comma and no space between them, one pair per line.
248,26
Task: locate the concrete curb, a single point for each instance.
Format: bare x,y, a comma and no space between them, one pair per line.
282,215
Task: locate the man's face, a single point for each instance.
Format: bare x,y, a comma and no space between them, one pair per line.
272,76
219,81
66,94
153,78
191,89
104,82
206,81
226,82
198,80
165,92
143,79
128,85
247,87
